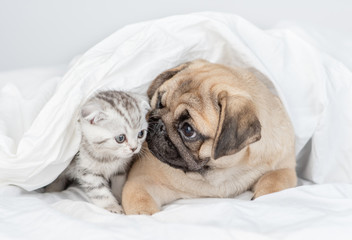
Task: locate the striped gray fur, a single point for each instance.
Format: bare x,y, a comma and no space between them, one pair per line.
101,157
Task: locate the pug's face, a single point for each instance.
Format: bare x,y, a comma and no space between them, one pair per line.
199,114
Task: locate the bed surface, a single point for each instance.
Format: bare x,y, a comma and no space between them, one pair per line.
305,212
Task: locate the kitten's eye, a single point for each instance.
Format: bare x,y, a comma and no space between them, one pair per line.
120,139
141,134
187,131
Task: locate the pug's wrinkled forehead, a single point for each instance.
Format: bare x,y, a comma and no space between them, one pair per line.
183,92
167,75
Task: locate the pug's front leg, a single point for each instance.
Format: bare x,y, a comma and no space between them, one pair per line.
275,181
137,200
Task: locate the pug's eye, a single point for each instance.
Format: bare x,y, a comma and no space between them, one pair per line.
120,138
187,131
141,134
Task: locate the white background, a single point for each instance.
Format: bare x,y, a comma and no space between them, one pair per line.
37,33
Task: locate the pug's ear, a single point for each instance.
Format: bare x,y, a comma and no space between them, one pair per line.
238,125
163,77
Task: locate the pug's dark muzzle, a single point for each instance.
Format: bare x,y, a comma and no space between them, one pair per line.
163,148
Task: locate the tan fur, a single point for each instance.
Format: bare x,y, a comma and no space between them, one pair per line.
264,162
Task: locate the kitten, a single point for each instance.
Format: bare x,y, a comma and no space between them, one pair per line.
113,127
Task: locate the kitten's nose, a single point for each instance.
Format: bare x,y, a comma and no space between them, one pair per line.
133,149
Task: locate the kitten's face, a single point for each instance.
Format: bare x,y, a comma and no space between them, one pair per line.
116,136
119,130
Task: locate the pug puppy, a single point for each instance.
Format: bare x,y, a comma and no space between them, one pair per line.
214,132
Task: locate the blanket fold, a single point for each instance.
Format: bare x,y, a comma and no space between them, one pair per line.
38,135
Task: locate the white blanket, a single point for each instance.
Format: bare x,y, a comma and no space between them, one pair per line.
308,212
38,136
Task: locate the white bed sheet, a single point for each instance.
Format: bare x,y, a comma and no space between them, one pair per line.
37,139
307,212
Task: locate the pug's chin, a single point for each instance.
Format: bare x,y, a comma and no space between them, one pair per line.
180,164
200,169
172,162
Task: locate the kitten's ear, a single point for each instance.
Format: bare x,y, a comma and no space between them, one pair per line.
145,104
92,112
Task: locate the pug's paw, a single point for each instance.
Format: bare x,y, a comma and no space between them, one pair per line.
137,201
141,205
146,211
275,181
